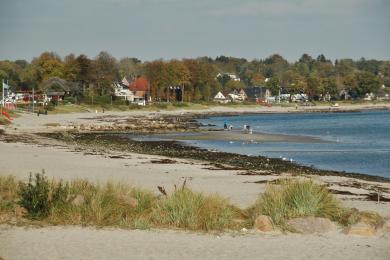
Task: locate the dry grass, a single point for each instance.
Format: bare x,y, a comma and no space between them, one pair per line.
80,202
195,211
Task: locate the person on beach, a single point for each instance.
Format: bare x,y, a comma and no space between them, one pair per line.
225,126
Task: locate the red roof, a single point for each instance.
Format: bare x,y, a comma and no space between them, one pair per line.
140,84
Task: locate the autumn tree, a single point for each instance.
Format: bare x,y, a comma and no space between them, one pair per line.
46,66
106,72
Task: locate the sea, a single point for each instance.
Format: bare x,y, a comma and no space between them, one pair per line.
356,142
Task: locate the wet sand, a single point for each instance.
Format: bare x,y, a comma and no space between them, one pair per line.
240,135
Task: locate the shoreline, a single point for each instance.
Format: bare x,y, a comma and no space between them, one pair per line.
173,122
222,160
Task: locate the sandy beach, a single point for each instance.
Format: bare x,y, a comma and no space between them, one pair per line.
62,161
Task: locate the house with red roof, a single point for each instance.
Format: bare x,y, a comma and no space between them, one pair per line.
140,88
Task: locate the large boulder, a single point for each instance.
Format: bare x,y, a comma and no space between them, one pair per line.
311,225
360,229
263,223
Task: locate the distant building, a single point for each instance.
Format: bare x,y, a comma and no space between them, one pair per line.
258,93
230,75
123,91
369,96
237,95
220,98
344,94
141,90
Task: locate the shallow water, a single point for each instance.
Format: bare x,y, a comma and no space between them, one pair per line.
359,141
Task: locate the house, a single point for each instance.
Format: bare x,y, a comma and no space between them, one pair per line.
243,95
369,96
237,95
299,97
55,89
258,93
220,98
344,94
231,76
121,90
125,82
141,89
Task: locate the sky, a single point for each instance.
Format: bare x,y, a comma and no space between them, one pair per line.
154,29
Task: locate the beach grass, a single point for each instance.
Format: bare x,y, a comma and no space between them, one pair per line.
289,199
80,202
194,211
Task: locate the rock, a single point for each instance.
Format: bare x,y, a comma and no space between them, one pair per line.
386,225
263,223
360,229
79,200
20,211
311,225
131,201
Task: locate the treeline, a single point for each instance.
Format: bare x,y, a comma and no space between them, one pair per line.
313,76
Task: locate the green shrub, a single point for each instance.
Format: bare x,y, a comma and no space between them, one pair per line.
35,196
291,199
38,196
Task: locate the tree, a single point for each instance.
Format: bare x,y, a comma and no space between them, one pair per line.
232,84
46,66
71,68
257,79
157,75
367,82
314,87
106,70
86,71
130,67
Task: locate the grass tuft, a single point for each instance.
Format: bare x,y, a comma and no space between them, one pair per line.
195,211
292,198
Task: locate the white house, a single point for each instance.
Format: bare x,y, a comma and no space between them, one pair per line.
122,90
220,98
237,96
230,75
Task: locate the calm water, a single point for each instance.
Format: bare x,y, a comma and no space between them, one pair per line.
359,142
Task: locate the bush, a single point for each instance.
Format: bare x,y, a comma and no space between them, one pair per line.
38,196
291,199
190,210
35,196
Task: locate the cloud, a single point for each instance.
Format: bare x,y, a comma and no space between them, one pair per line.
283,7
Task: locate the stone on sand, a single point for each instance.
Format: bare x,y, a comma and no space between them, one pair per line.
311,225
263,223
360,229
131,201
386,225
78,200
